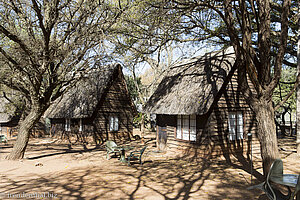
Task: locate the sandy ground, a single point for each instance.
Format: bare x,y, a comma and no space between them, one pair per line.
58,172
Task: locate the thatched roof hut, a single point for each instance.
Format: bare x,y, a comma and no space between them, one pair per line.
191,86
81,100
8,111
99,105
4,116
200,108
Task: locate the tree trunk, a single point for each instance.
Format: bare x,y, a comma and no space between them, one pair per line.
23,135
298,88
266,133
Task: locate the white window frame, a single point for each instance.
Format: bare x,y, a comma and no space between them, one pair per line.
186,127
68,124
113,123
236,125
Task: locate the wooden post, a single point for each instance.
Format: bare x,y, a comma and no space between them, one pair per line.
50,131
157,137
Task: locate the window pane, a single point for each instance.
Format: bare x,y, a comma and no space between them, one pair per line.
116,124
185,116
178,133
178,120
240,136
111,123
193,122
66,125
231,126
193,138
232,122
240,132
235,123
80,125
185,121
193,133
178,130
232,130
185,131
185,128
231,115
240,129
240,119
231,136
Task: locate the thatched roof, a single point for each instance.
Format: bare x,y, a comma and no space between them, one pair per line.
81,100
191,86
4,116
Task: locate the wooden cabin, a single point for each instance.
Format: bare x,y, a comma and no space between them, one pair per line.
200,109
99,106
8,118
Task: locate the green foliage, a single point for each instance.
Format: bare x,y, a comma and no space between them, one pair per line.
137,119
132,87
287,80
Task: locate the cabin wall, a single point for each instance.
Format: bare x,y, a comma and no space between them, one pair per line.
115,102
217,126
10,128
212,128
9,131
57,129
166,136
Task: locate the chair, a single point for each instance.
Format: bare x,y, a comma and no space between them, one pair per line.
272,192
137,155
111,147
297,189
3,139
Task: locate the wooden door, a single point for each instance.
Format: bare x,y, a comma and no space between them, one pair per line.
161,138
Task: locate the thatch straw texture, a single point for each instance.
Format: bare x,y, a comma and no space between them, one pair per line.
81,100
190,87
5,115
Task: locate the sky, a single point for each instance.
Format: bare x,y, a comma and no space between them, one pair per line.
184,51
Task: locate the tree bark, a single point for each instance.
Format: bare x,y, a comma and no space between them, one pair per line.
298,88
266,132
26,126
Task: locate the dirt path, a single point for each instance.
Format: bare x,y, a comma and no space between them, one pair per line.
58,172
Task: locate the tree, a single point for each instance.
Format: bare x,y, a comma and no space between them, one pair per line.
284,87
298,88
45,47
248,27
133,87
139,40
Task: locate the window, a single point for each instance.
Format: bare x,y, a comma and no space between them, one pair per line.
186,127
113,123
235,124
80,125
68,125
